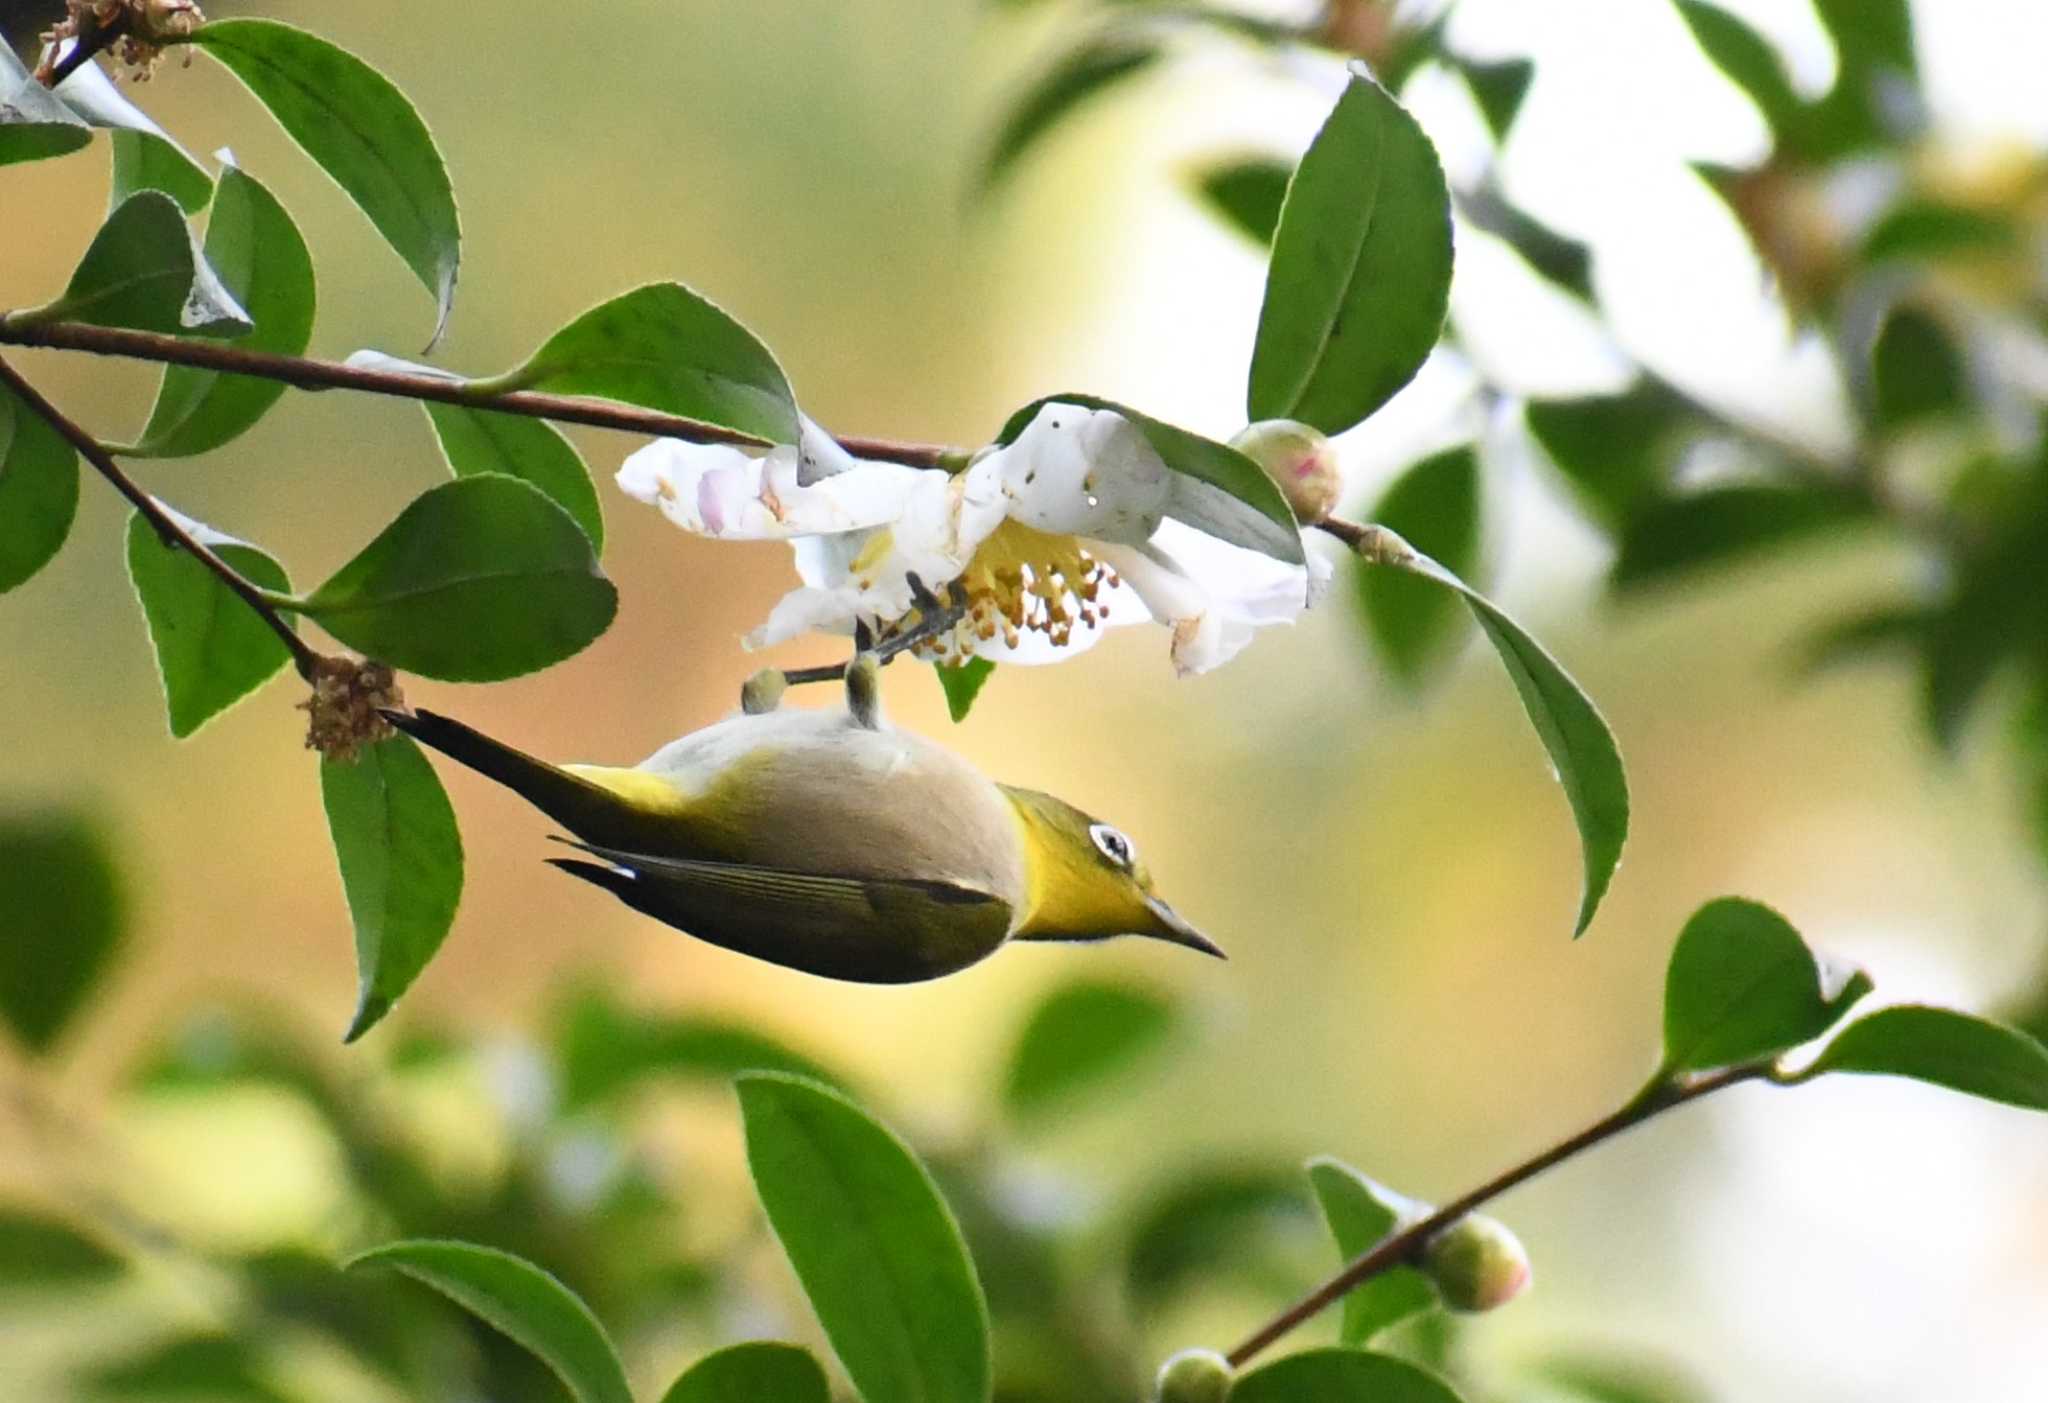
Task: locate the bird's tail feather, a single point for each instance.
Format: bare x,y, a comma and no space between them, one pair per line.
583,808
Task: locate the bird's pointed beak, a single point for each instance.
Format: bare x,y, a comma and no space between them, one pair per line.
1167,924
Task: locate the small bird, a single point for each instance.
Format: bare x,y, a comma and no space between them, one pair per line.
830,842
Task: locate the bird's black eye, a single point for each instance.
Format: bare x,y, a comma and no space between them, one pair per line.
1113,844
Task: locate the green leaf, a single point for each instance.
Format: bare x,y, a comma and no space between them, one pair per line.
1581,748
1928,231
211,648
38,491
362,131
1211,1218
604,1048
1338,1375
201,1367
1721,524
666,347
1247,194
1088,70
63,918
477,441
401,866
1434,505
1083,1033
761,1371
1361,268
34,125
1916,371
45,1254
1748,60
1565,263
520,1301
962,684
262,261
1498,88
477,580
874,1245
1743,985
145,156
141,271
1216,489
1360,1212
1615,451
1942,1048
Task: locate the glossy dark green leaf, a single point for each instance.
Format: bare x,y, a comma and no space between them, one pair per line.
1359,1213
605,1048
34,125
1211,1218
962,684
1434,506
874,1245
1088,70
401,866
1928,231
1748,60
668,348
477,580
1216,489
1616,451
252,243
1564,262
42,1254
1724,524
141,271
1742,985
1582,750
532,450
63,919
1247,194
1916,370
1081,1034
211,648
1339,1375
202,1368
520,1301
761,1371
1993,608
1943,1048
145,155
361,130
1361,269
38,491
1874,100
1498,88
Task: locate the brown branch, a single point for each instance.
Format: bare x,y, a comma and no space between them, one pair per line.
303,655
307,374
1407,1246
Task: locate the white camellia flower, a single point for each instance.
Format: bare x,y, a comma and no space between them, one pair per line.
1047,541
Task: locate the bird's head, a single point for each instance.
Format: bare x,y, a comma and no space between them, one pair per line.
1085,881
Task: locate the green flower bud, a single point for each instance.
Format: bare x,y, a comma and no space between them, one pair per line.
1193,1376
1300,460
1477,1263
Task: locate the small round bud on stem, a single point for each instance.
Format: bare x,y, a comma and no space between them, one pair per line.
762,692
1301,460
1476,1263
864,690
1193,1376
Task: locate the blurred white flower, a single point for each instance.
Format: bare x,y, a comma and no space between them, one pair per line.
1048,541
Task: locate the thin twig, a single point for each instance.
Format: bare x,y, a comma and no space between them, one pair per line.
935,616
1407,1245
303,655
94,40
308,374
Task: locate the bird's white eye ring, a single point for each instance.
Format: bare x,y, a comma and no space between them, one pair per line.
1113,844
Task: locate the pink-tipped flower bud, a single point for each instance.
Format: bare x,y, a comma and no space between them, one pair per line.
1193,1376
1300,460
1477,1263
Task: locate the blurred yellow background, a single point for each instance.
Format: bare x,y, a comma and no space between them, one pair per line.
1393,879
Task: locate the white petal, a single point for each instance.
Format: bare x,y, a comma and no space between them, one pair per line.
719,491
1083,472
803,611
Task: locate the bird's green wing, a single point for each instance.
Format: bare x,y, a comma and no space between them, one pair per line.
870,929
